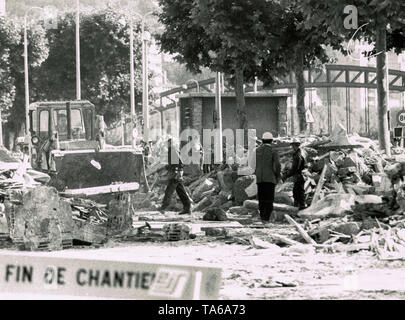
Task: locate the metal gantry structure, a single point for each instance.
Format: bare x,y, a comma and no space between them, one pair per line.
331,76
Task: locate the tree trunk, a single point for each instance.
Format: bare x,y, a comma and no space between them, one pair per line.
240,103
382,88
300,86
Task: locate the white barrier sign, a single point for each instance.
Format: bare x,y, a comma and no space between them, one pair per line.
106,279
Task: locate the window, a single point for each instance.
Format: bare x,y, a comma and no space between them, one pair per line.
44,124
34,121
60,124
88,122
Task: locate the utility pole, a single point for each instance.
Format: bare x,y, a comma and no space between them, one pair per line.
145,84
2,13
26,78
132,83
78,81
218,119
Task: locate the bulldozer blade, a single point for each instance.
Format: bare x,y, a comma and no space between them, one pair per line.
80,169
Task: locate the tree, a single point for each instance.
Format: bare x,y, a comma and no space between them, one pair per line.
227,36
383,18
177,74
8,37
301,47
12,94
104,59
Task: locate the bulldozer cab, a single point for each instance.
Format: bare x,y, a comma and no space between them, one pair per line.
66,143
70,125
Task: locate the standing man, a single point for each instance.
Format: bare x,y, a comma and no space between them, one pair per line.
175,183
296,171
265,162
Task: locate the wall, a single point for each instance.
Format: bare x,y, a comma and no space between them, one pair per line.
265,113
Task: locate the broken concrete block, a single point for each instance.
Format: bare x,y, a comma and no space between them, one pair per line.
176,232
348,228
336,156
43,220
368,198
251,191
285,187
285,208
225,185
343,172
350,161
330,171
120,214
203,204
283,197
207,193
215,232
251,204
393,170
239,188
239,211
84,231
318,165
333,205
220,202
215,214
381,182
227,205
206,185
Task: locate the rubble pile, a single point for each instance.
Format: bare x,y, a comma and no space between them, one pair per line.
339,168
355,201
353,191
38,219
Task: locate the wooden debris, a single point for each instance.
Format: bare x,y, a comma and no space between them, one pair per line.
113,188
284,239
303,233
260,244
319,185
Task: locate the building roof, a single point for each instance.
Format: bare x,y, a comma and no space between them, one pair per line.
61,104
260,94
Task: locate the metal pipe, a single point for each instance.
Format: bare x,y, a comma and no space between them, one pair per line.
145,98
69,121
132,93
198,85
27,90
122,128
218,122
78,76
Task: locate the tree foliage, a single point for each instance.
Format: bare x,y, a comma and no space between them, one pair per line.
234,37
12,94
8,38
383,26
105,69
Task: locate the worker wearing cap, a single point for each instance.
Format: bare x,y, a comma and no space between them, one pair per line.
296,171
266,164
175,183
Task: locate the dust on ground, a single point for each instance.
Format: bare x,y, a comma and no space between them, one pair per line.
258,274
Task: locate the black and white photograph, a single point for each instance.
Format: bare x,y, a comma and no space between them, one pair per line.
220,152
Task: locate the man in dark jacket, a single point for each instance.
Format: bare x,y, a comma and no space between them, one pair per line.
175,183
266,163
296,171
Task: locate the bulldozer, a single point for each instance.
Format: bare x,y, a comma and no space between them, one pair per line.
68,143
